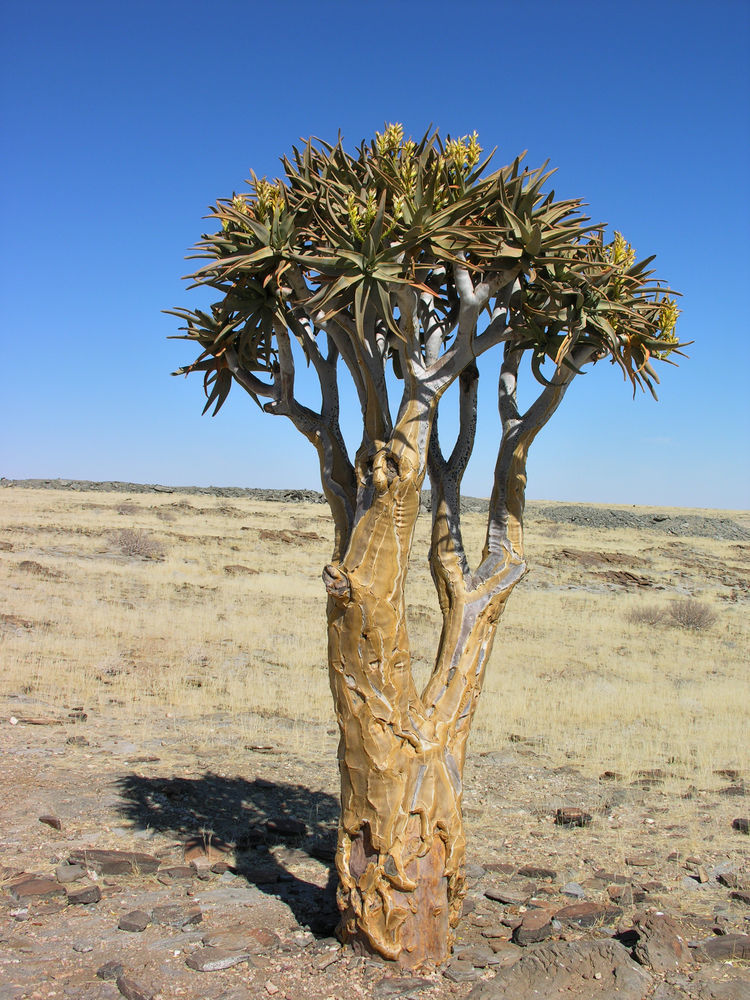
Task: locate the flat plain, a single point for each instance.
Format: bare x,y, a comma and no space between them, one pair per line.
164,677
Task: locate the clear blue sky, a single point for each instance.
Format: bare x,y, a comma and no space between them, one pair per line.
122,122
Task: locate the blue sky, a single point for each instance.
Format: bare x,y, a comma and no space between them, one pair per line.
123,122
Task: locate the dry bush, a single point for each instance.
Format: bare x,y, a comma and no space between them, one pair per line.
691,614
132,542
646,614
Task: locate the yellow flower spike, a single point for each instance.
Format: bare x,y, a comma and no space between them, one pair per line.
668,320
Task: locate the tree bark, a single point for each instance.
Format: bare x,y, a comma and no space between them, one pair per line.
401,845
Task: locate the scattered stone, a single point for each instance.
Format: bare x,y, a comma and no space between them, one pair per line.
726,946
576,968
115,862
572,817
535,926
479,955
639,860
503,868
733,790
176,873
741,824
203,851
110,970
77,715
132,990
535,871
135,921
324,961
285,826
84,895
65,873
38,721
728,879
35,888
625,895
610,776
741,895
574,889
254,940
588,914
176,915
49,820
214,959
83,947
511,895
660,945
398,986
505,952
461,972
475,872
728,772
77,741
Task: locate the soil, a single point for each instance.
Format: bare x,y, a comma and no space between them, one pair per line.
234,864
227,892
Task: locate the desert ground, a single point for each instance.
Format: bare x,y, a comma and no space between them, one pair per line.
164,695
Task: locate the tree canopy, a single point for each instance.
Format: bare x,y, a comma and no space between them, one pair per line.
415,255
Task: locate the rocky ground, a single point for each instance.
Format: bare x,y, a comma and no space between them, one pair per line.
136,865
136,862
592,516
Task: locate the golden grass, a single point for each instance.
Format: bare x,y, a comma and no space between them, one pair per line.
180,642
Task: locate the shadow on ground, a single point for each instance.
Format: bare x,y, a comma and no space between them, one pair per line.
267,823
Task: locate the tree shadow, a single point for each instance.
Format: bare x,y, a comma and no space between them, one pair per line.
266,823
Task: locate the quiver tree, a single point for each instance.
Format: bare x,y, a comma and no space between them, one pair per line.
403,266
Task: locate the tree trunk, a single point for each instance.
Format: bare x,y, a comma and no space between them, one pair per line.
401,844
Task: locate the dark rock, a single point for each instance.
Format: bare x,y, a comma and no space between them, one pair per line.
588,914
110,970
660,944
739,789
461,972
505,952
49,820
726,946
741,895
132,990
36,888
536,871
285,826
610,776
253,940
741,824
572,817
77,741
135,921
480,955
639,860
511,895
176,873
176,915
535,926
569,968
729,879
115,862
500,866
84,895
214,959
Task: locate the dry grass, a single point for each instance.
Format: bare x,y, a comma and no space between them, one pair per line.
583,666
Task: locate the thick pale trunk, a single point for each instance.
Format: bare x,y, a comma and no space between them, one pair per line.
401,844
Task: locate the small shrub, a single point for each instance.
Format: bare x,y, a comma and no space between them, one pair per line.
138,543
646,614
691,614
